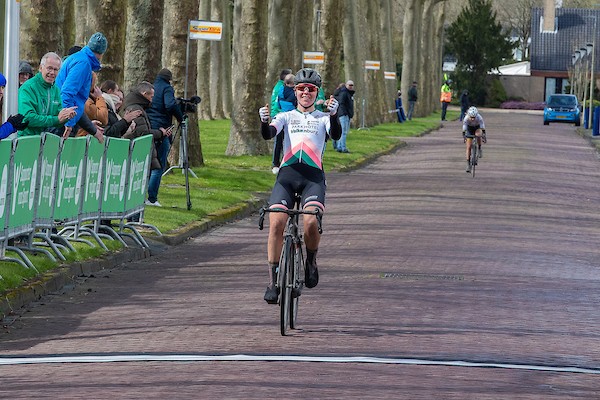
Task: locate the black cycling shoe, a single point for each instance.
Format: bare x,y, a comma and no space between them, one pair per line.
297,292
311,274
271,295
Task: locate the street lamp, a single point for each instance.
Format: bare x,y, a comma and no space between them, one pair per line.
577,56
591,49
583,52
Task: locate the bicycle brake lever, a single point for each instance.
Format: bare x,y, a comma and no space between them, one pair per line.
319,225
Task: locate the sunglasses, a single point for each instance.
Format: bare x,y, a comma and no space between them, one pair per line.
311,88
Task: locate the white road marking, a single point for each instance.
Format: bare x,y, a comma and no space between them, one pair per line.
57,359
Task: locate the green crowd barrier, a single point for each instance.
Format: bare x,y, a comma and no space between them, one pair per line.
46,182
5,155
25,168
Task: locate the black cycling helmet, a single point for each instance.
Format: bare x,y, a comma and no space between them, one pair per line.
308,75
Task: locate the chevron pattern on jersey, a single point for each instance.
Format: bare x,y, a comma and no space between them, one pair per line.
303,153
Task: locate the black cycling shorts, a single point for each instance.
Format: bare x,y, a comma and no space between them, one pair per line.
307,181
472,129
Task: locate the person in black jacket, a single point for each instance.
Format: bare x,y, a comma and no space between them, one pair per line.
464,104
412,99
113,96
346,112
163,109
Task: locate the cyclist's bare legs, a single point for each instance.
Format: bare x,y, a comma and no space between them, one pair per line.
469,141
277,223
478,133
312,237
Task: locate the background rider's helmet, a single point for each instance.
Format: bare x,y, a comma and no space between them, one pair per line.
2,80
307,75
472,112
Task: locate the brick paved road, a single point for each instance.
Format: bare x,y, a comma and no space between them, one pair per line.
418,261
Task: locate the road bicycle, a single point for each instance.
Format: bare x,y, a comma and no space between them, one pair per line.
290,274
475,155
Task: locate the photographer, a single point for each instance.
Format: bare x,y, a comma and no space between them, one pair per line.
161,112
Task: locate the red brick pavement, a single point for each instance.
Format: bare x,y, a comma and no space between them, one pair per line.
418,260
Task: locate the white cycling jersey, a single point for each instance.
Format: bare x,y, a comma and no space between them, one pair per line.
305,134
477,121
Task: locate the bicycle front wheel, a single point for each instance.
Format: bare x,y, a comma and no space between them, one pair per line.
298,282
286,266
473,157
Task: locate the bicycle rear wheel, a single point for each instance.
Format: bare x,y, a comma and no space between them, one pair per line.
286,266
298,282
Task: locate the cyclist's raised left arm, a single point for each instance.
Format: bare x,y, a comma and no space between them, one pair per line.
335,129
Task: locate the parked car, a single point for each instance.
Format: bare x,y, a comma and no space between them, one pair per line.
562,108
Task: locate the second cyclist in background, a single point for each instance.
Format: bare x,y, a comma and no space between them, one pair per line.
473,125
305,130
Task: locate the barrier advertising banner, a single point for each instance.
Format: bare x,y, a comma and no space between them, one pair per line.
93,178
70,179
138,172
115,176
25,168
47,178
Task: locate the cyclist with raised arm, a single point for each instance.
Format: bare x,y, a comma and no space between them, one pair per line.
305,130
473,125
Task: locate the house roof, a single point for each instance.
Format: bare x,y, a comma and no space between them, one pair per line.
574,28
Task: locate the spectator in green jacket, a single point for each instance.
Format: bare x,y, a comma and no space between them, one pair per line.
275,109
40,102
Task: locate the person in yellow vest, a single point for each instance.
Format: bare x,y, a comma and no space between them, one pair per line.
445,97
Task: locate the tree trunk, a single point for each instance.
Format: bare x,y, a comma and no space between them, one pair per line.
82,33
354,55
107,16
388,61
411,39
227,86
36,17
376,100
67,29
249,59
301,29
203,83
177,14
438,49
331,43
279,43
428,82
143,43
216,67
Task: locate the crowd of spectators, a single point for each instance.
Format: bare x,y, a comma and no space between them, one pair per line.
65,98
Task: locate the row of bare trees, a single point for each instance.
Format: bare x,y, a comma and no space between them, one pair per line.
234,76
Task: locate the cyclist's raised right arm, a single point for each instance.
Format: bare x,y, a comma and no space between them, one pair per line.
267,131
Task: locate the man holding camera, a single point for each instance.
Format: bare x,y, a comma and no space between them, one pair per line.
160,113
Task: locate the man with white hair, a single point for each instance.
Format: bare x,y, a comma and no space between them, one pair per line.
40,102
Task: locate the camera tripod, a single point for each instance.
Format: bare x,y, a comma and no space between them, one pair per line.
182,130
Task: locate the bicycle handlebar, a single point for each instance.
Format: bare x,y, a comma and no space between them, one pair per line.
264,210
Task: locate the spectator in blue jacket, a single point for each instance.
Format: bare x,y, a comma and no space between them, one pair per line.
286,96
75,79
14,122
161,112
